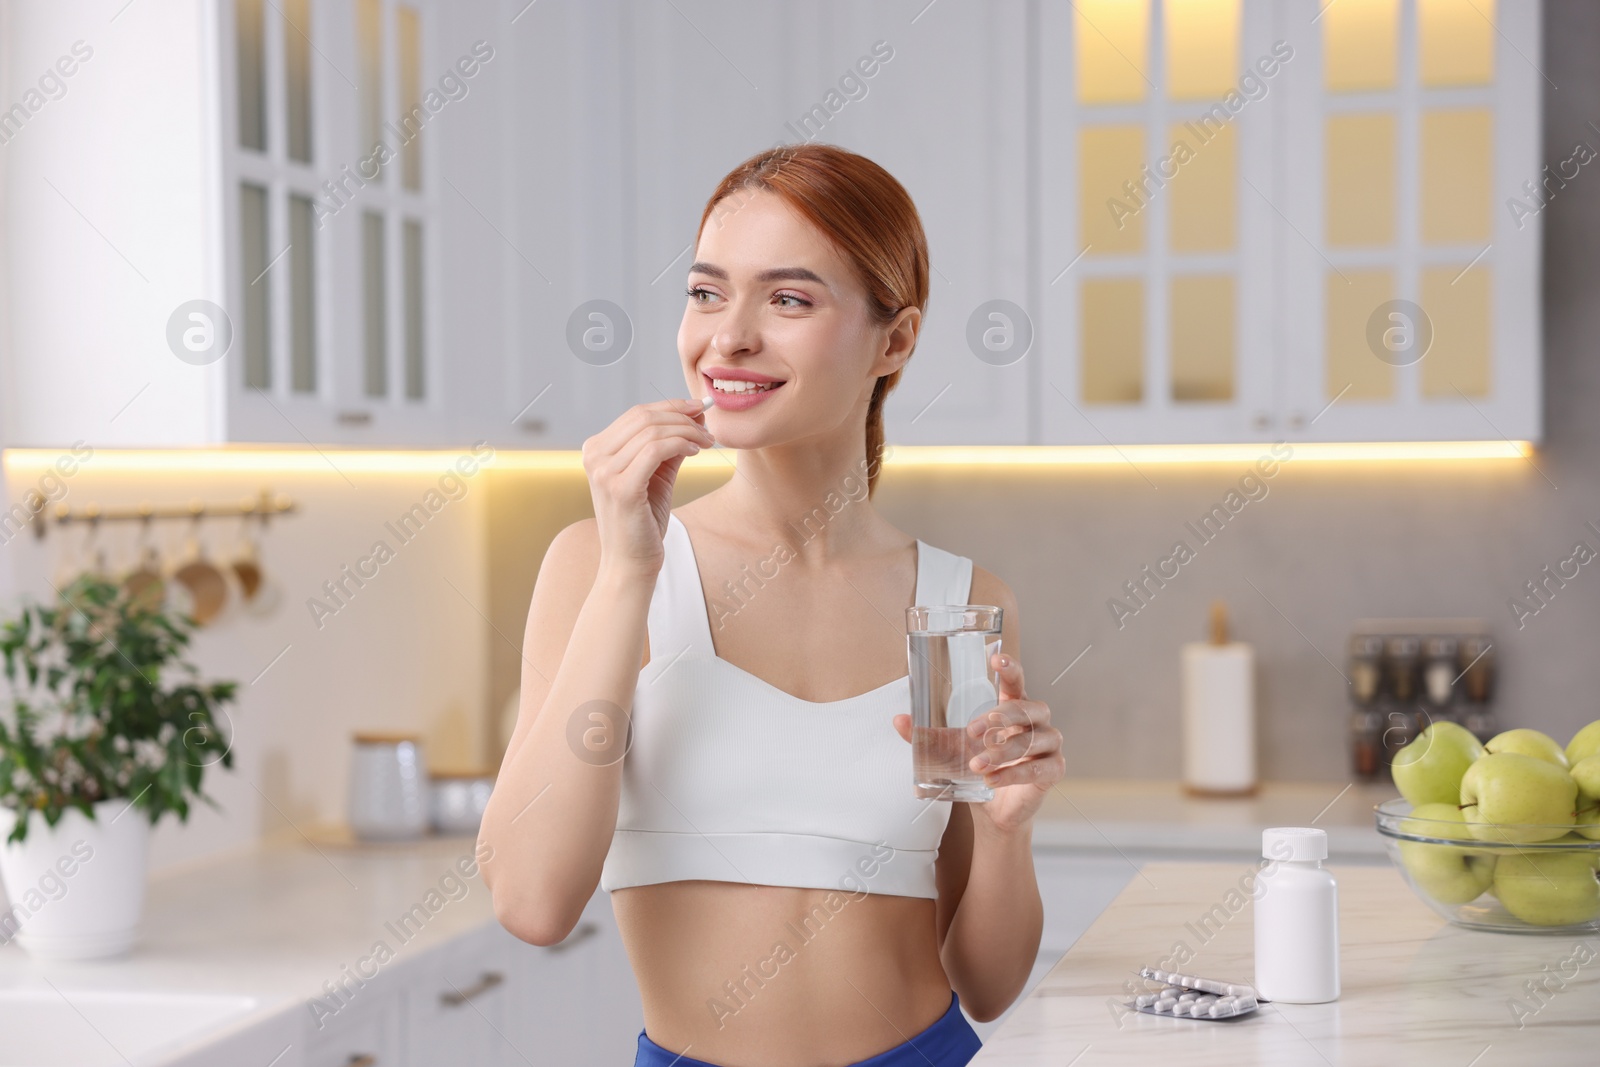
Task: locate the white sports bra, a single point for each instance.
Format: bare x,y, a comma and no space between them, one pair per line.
730,779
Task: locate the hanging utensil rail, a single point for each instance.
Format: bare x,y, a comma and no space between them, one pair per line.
265,504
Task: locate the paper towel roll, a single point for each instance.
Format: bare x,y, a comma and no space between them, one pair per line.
1219,719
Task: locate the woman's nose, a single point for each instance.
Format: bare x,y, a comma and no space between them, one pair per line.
738,332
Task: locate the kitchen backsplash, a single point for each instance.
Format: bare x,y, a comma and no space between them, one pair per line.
402,648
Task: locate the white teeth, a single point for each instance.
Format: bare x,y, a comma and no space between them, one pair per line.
728,385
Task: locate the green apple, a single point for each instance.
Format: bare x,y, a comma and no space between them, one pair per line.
1446,873
1588,821
1549,888
1506,796
1528,743
1584,743
1586,772
1429,769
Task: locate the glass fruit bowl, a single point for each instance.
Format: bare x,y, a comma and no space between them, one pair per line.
1510,877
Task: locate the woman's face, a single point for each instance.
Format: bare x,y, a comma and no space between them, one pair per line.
770,296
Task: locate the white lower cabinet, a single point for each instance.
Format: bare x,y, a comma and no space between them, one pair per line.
456,1005
364,1034
576,1003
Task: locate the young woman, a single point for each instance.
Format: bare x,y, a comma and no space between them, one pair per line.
712,720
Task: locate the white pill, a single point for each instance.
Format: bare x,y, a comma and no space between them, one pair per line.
1144,1000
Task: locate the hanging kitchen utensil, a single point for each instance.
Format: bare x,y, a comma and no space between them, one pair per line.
144,584
251,574
246,563
204,583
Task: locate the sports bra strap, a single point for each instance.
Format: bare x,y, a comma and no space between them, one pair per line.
677,622
942,577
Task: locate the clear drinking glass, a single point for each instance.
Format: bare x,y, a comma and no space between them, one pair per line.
947,651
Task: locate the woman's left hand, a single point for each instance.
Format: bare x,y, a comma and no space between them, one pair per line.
1021,753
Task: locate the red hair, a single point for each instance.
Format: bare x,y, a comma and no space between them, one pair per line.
869,218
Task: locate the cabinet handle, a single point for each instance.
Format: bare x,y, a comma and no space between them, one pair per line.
361,1059
1297,421
457,997
532,425
354,418
582,933
1262,421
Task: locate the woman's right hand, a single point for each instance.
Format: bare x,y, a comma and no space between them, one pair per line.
632,465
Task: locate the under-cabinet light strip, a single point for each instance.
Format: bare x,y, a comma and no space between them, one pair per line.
335,461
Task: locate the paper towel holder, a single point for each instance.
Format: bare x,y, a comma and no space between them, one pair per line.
1218,714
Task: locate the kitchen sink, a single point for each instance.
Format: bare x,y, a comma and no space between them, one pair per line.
63,1027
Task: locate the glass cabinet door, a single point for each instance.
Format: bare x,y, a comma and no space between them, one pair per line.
1155,196
1410,278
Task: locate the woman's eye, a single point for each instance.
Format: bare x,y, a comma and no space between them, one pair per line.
799,301
694,291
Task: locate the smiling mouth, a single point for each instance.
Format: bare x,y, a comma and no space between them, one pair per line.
729,387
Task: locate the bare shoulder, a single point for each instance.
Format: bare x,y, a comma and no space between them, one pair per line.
566,574
989,588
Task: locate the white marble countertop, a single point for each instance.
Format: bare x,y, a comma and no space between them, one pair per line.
1123,815
273,923
1415,989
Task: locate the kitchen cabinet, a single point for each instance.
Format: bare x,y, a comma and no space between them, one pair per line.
672,97
1411,170
366,1034
1233,194
488,999
248,266
514,272
456,1008
576,1002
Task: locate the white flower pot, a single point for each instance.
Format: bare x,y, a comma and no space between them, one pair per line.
76,889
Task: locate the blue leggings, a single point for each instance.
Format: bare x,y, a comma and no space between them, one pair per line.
949,1042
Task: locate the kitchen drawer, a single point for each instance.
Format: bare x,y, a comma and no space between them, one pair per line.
456,1006
362,1035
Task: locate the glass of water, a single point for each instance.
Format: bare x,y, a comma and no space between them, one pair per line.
947,650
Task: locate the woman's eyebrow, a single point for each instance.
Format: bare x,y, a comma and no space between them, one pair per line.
775,274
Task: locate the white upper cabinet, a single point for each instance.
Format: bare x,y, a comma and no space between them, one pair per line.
1157,165
1295,220
1410,146
946,113
247,229
421,223
364,184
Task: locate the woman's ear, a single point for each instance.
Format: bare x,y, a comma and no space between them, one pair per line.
900,339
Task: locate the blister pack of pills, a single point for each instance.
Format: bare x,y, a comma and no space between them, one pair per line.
1191,997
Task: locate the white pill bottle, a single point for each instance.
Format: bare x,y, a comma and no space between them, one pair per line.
1296,919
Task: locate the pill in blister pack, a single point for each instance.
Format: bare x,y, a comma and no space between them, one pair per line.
1204,985
1190,997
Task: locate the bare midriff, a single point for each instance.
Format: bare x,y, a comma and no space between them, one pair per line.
741,975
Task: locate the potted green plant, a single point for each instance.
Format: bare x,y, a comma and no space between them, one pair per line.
108,730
